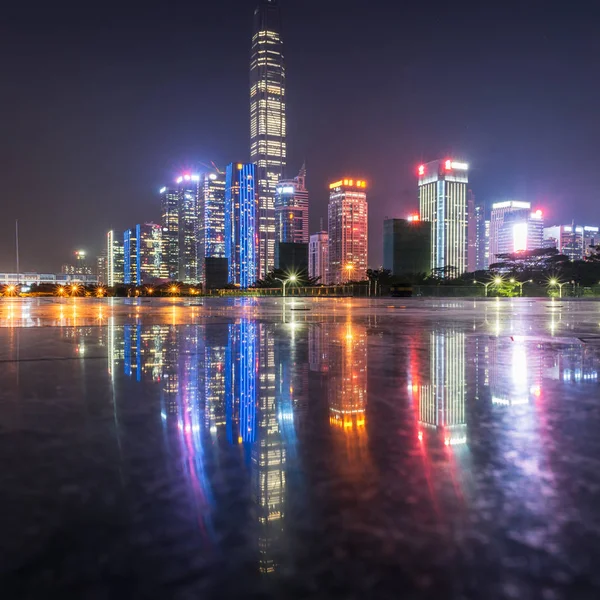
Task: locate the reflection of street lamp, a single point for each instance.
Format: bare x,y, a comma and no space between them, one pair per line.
495,281
290,279
554,282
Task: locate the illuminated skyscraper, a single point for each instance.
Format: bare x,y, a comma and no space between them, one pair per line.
170,231
499,211
142,253
482,239
267,121
318,256
130,249
291,210
515,228
179,206
348,230
443,202
241,224
471,232
211,220
114,259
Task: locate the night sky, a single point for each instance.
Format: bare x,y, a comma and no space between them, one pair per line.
103,103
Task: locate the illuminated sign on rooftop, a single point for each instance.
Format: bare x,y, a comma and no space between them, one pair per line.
359,183
511,204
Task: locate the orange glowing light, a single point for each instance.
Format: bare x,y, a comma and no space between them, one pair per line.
336,184
420,436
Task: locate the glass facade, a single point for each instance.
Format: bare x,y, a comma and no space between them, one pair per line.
179,220
211,221
291,210
443,202
348,222
241,224
318,256
267,121
114,260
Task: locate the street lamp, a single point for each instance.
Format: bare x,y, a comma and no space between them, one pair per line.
520,284
554,282
290,279
495,281
349,269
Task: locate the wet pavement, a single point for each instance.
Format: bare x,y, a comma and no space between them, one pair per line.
242,448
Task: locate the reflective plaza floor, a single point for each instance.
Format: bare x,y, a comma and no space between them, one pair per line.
335,448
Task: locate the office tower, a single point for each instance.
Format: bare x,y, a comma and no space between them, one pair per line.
267,122
170,231
318,256
291,210
517,230
189,189
142,253
572,240
130,248
241,224
291,224
348,230
471,233
443,202
499,211
406,246
482,239
211,226
179,206
101,269
114,260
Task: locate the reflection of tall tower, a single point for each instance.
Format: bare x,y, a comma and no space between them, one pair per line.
268,454
318,347
347,394
217,361
442,399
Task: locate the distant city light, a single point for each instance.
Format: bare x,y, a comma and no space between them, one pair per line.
195,177
459,165
448,165
286,190
412,218
212,176
421,169
186,177
179,180
162,190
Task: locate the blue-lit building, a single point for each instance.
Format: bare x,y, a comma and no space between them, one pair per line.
241,224
142,253
211,226
179,208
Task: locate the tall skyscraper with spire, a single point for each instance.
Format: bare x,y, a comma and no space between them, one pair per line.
267,121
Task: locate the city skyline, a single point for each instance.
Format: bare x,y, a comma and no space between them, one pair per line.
98,159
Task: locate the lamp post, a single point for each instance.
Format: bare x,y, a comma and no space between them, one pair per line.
520,284
495,281
554,282
290,279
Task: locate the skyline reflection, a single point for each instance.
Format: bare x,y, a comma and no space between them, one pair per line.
256,407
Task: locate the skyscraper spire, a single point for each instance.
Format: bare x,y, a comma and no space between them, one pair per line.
267,121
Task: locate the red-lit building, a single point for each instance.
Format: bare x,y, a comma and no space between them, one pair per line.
348,231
